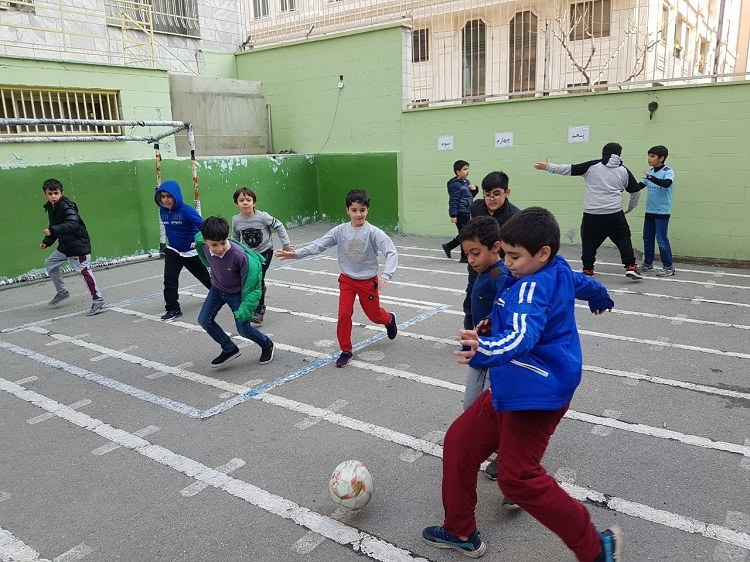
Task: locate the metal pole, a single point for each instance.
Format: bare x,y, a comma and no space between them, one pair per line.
194,168
719,33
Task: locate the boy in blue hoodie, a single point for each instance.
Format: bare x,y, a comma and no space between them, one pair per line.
535,360
461,193
181,223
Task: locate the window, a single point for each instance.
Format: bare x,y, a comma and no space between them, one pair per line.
35,103
590,19
260,9
286,6
179,17
664,23
420,40
20,5
522,49
473,47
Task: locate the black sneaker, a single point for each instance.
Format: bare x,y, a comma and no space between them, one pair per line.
258,318
473,547
447,250
491,470
171,315
632,272
266,355
59,297
225,357
344,358
392,328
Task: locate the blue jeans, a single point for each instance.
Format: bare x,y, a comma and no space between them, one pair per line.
207,319
655,226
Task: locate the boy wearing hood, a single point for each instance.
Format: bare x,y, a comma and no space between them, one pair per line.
181,223
603,216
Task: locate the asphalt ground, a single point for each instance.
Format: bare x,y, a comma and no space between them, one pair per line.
119,442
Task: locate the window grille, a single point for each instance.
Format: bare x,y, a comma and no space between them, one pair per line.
590,19
20,5
178,17
34,103
260,9
420,51
288,6
522,49
474,58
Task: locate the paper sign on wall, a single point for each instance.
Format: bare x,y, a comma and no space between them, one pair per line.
504,140
578,134
445,142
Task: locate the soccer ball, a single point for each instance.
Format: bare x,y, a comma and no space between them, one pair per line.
351,485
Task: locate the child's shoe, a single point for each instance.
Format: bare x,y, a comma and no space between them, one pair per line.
491,470
96,308
509,504
612,545
266,355
225,357
472,547
59,297
392,328
666,272
344,358
589,272
631,272
171,315
447,250
258,316
647,267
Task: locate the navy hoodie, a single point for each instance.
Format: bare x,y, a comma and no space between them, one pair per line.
181,222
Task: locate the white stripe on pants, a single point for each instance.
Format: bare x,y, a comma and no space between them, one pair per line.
82,264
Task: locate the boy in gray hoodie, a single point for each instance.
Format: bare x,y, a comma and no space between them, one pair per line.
603,217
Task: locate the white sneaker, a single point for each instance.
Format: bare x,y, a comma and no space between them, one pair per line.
666,272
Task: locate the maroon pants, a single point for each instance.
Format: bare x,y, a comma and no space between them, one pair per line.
367,291
521,439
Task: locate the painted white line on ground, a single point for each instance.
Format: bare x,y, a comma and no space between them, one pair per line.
745,463
45,417
197,487
75,553
107,355
249,384
357,540
109,447
658,343
674,320
57,342
159,374
693,300
738,521
410,455
332,291
13,549
310,540
566,474
26,380
309,422
602,430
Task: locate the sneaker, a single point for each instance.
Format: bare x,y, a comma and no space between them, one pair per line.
258,318
666,272
96,308
392,328
59,297
612,545
631,272
171,315
225,357
647,267
344,358
491,470
472,547
509,504
447,250
266,355
589,272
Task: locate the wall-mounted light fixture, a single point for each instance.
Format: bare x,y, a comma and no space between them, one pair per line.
341,81
652,106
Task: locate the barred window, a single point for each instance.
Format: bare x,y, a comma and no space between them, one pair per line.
590,19
41,103
473,47
20,5
260,9
178,17
287,6
420,51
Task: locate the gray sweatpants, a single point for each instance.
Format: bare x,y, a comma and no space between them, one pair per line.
82,264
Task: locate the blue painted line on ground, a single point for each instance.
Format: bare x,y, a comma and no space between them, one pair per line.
104,381
315,365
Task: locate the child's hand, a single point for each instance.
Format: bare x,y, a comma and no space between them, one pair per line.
47,232
601,311
192,245
484,326
454,220
542,165
284,254
382,282
288,248
469,344
42,246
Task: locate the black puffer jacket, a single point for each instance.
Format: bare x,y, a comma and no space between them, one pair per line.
67,228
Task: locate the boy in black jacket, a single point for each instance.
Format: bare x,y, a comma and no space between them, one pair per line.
74,244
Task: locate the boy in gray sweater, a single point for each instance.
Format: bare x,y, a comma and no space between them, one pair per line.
358,244
253,228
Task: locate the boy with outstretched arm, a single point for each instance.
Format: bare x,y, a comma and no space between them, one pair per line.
236,280
73,245
358,244
253,228
535,360
658,180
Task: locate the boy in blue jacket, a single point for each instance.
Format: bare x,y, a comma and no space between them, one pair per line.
181,223
461,193
535,360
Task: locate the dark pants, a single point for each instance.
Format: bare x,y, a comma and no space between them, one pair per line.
468,320
268,254
521,439
461,221
655,228
207,319
173,264
595,229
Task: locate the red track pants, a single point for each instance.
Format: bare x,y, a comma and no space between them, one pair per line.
367,291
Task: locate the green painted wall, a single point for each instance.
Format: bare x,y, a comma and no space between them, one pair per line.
116,199
706,129
311,114
144,95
